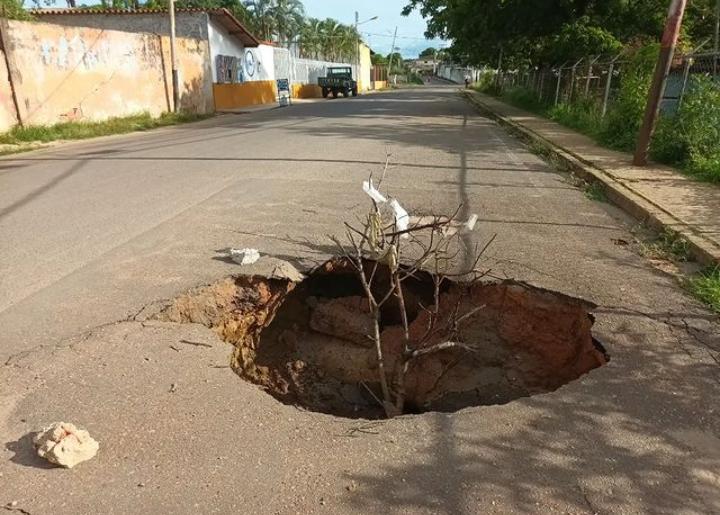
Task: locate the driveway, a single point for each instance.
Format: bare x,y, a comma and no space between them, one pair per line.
94,233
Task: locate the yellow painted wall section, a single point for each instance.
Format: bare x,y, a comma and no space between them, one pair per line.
379,84
79,73
364,81
306,91
233,96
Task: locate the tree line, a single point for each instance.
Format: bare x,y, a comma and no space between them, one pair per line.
554,31
281,21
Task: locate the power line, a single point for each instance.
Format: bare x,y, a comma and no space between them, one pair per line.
398,37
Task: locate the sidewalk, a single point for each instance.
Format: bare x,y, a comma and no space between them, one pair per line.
657,195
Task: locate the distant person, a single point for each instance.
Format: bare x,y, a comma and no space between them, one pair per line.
467,81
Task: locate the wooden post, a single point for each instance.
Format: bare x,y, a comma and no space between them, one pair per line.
173,59
667,49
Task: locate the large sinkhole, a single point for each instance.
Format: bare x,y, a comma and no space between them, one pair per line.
309,343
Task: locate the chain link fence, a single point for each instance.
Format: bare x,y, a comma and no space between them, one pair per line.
596,80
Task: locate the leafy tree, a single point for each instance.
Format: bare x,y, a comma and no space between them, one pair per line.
544,31
328,39
262,15
378,59
13,9
428,52
288,17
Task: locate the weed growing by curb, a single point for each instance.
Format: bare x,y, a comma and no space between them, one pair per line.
706,287
595,191
669,246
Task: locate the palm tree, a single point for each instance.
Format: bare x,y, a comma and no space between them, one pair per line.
331,34
311,38
262,16
289,17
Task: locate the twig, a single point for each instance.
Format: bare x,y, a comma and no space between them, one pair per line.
470,313
372,394
196,344
439,347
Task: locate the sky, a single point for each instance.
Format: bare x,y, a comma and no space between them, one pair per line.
378,33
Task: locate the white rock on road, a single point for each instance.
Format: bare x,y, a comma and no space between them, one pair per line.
64,444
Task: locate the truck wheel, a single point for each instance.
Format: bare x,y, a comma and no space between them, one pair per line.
325,92
346,92
335,93
354,92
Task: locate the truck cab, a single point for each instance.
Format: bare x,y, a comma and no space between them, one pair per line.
338,80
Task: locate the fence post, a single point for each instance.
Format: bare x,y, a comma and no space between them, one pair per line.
572,79
559,79
589,75
686,76
541,92
608,86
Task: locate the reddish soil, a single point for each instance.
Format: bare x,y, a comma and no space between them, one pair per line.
308,344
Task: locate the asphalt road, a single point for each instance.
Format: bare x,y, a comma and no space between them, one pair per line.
92,233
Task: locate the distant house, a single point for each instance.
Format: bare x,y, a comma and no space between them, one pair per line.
421,65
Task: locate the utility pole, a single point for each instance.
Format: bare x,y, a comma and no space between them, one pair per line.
392,53
716,46
173,59
657,88
357,24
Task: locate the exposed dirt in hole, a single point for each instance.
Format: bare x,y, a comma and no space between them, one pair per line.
306,343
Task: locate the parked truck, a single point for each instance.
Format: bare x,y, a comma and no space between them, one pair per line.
339,79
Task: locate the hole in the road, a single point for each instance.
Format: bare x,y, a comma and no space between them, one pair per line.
306,344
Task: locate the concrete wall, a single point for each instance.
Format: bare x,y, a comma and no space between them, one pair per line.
271,63
456,73
8,115
187,25
222,44
65,73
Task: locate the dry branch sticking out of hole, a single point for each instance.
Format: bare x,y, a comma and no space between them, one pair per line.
389,235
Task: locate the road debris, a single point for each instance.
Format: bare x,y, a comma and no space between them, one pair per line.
64,444
244,256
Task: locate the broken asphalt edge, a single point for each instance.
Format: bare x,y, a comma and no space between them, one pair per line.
703,250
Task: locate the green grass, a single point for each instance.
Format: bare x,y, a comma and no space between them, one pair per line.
688,140
84,130
583,117
706,287
669,246
595,191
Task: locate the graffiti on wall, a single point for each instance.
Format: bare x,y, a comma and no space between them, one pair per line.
228,69
67,53
231,69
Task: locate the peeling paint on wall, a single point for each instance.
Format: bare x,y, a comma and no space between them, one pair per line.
71,73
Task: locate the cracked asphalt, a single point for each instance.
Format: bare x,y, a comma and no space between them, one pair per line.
96,235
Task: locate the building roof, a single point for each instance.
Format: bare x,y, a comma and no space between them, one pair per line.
222,16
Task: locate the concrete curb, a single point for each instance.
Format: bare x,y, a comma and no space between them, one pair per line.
701,249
